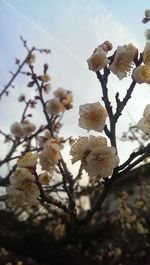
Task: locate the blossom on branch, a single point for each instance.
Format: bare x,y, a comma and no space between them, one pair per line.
144,123
141,74
123,60
22,129
50,155
101,161
146,54
106,46
83,146
28,127
98,60
23,189
29,160
96,157
44,78
92,116
43,138
31,59
44,178
16,129
65,97
54,107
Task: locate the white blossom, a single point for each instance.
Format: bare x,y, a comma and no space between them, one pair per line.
98,60
144,123
123,60
16,129
83,146
50,155
45,178
92,116
96,157
65,97
54,107
141,74
101,162
146,54
29,160
60,93
28,127
22,129
23,189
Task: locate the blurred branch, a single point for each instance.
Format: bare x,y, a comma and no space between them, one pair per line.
5,90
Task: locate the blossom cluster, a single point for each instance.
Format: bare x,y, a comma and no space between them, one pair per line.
144,122
98,59
62,101
23,189
50,155
123,61
22,129
96,157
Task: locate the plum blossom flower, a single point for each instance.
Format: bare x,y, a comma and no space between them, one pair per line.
98,59
92,116
50,155
43,138
144,123
23,194
123,60
16,129
106,46
20,175
54,107
23,189
101,162
15,197
31,58
45,178
29,160
65,97
96,157
141,74
22,129
44,78
28,127
83,146
60,93
146,54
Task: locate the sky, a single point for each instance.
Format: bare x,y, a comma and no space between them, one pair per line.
72,29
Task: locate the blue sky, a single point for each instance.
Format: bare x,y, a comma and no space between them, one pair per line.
71,29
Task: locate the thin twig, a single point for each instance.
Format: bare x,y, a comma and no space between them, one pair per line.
4,91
